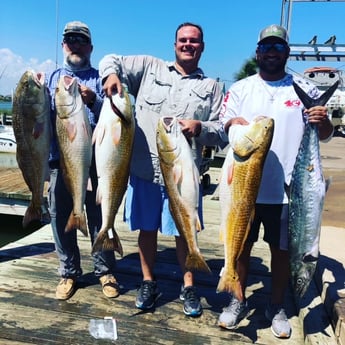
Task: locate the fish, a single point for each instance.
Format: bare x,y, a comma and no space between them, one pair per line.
32,131
181,178
113,139
306,193
238,189
74,137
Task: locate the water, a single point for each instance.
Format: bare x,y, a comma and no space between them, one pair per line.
12,229
5,106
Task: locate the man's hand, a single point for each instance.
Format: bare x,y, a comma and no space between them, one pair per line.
112,85
190,128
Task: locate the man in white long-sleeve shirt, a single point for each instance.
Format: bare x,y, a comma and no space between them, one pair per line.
270,92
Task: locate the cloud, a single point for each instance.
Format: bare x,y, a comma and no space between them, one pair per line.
12,67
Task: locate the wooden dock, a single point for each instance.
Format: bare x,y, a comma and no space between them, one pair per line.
30,314
14,193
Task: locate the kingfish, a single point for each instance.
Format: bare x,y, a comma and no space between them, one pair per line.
306,198
113,137
238,189
181,179
32,130
74,139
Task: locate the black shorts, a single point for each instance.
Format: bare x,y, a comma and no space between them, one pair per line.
274,219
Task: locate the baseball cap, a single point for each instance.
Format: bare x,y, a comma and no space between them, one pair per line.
77,27
274,31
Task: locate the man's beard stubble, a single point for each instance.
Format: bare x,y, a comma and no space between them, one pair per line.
270,67
77,61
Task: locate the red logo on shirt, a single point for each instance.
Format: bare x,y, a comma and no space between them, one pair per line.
292,103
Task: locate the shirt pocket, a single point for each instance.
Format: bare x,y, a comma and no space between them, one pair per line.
203,99
155,93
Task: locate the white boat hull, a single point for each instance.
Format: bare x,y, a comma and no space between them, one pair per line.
7,140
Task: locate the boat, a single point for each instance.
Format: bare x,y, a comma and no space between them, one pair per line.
323,78
7,139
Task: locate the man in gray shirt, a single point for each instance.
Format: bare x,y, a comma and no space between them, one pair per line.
161,88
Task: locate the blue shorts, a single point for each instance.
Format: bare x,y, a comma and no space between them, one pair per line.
274,219
147,207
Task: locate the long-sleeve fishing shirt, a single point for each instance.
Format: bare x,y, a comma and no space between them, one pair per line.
160,90
251,97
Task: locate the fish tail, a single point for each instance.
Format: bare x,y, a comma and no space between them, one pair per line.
77,221
309,102
104,243
195,261
233,287
32,213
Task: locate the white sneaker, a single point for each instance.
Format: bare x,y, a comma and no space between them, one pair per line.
280,324
233,314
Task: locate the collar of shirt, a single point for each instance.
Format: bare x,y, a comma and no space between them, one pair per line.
198,73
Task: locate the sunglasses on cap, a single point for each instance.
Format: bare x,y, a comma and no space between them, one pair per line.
266,47
82,40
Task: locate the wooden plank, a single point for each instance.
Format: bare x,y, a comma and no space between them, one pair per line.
29,312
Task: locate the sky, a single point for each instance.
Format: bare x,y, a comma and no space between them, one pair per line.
31,31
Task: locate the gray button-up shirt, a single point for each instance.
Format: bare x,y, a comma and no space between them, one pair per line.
160,90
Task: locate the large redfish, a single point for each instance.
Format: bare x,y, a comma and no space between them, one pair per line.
74,138
238,190
306,198
181,178
31,126
113,137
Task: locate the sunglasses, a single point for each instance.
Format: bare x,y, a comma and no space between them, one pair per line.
266,47
83,41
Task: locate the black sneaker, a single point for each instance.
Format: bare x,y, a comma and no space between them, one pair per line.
147,295
191,301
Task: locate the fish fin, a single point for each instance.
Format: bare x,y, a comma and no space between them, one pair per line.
99,136
98,196
89,187
71,130
116,134
198,224
309,102
77,221
196,262
230,173
309,258
94,135
104,243
38,129
32,213
177,173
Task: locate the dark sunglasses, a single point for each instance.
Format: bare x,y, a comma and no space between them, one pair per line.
266,47
83,41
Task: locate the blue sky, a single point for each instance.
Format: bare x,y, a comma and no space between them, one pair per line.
31,30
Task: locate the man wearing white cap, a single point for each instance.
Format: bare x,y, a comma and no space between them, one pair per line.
77,49
270,92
